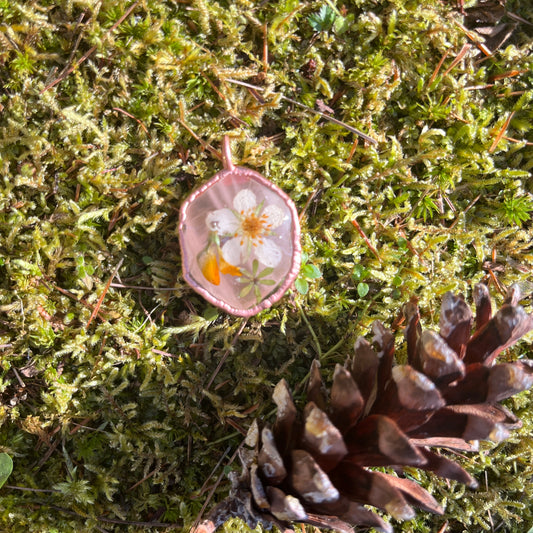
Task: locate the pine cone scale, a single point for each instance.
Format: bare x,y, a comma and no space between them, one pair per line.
455,323
379,441
363,486
310,481
270,460
347,402
322,438
448,469
438,360
413,493
504,329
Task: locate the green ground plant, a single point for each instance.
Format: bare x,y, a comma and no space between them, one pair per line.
121,414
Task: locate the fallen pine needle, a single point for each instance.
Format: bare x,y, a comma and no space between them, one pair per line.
102,296
501,133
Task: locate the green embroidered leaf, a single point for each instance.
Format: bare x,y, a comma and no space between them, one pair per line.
6,467
362,289
301,286
265,272
311,271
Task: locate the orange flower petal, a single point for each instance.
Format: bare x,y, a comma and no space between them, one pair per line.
226,268
209,267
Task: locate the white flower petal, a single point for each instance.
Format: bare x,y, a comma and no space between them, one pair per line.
232,251
268,253
244,201
274,216
223,221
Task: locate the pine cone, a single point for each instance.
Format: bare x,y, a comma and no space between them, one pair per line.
313,467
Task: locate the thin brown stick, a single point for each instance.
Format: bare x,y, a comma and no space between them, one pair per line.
226,353
265,48
309,200
458,58
141,287
457,117
474,38
13,487
166,354
74,48
77,426
310,109
19,379
468,207
134,118
250,409
104,292
501,133
512,140
48,453
236,426
215,486
352,150
411,248
135,485
213,86
508,74
437,69
479,87
501,288
356,225
512,93
226,451
88,54
205,145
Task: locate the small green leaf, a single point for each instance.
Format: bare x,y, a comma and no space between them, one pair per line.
359,272
323,20
257,293
267,281
245,291
6,467
265,272
301,285
362,289
311,271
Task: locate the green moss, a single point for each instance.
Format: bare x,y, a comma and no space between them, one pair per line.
116,422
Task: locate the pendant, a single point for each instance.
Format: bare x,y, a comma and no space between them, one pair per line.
240,240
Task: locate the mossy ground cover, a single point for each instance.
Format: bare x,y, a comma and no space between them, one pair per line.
124,419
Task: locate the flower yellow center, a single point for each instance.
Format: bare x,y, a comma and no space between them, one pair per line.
252,225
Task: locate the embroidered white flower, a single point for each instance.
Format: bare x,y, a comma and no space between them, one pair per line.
249,226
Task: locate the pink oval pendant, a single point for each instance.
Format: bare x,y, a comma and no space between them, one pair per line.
240,240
